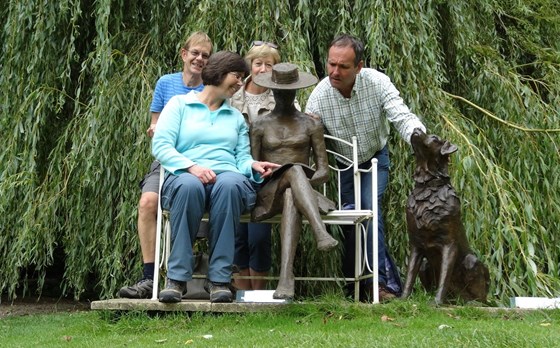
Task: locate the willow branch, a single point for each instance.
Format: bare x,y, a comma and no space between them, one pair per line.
509,124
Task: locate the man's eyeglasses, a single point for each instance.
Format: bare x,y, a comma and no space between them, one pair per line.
237,75
266,43
195,54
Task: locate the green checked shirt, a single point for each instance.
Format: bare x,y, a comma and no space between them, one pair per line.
375,102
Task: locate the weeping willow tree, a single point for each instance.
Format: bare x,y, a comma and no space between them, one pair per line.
76,79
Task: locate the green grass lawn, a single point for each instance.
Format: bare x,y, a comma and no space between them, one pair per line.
329,323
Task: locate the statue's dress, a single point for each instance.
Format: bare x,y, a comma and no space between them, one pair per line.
270,198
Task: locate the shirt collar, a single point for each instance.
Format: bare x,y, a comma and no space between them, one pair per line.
357,84
355,88
191,99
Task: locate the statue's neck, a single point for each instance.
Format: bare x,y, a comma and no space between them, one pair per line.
285,107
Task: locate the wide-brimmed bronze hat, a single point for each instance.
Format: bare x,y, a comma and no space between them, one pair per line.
285,76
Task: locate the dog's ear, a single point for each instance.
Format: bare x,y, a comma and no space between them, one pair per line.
448,148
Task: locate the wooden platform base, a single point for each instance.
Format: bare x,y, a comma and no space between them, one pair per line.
121,304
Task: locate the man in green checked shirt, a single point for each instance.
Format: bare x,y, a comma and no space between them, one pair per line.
361,101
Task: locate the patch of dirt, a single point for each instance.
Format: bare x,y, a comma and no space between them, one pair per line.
43,305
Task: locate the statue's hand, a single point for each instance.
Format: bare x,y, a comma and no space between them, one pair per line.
264,168
205,175
320,177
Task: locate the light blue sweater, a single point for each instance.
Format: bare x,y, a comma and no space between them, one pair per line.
188,133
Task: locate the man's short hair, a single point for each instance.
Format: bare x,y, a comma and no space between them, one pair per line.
198,38
346,40
220,64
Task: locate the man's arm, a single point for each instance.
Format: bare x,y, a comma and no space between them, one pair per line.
398,112
152,128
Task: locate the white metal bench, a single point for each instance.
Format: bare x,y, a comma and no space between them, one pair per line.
357,217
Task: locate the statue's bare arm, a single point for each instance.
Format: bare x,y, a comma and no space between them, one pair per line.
319,154
255,135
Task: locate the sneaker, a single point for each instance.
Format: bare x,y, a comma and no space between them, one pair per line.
220,293
142,289
173,292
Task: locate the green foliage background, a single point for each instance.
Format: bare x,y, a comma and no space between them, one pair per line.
76,79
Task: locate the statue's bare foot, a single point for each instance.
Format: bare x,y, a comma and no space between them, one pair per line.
283,294
285,289
326,243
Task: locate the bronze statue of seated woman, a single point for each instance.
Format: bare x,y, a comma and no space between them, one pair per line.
289,137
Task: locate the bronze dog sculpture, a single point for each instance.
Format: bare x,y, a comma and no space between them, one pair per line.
440,253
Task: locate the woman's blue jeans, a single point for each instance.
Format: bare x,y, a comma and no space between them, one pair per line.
187,199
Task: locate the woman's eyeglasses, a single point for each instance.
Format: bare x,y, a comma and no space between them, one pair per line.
266,43
237,75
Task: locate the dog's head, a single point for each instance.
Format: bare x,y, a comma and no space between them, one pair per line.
432,155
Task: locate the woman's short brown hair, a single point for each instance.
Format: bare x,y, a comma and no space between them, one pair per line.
220,64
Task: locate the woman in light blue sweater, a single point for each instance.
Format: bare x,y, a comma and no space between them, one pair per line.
203,144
